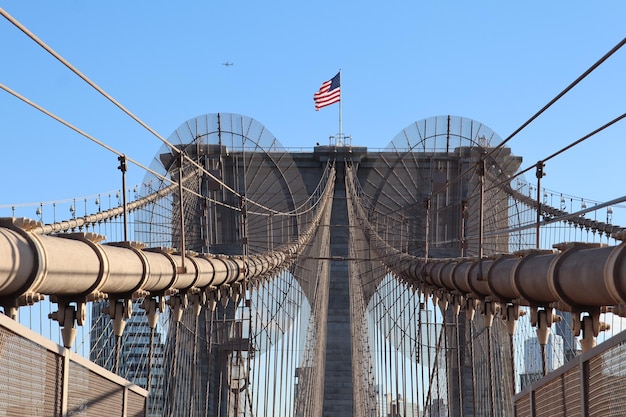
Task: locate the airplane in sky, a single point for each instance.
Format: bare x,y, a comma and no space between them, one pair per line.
227,64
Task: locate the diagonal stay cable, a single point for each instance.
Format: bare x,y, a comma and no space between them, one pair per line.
297,211
538,113
98,142
560,151
77,130
561,94
535,116
56,55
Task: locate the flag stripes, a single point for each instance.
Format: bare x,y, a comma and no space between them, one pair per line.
329,93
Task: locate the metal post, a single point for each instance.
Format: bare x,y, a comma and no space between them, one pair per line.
269,232
481,173
182,211
123,167
539,174
340,110
401,231
207,226
544,361
584,386
65,381
427,208
462,231
116,365
244,222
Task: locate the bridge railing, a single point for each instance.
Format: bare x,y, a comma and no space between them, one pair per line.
588,385
43,378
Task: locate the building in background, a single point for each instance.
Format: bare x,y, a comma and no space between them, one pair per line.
533,363
134,354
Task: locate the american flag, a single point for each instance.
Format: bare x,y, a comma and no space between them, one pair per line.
329,93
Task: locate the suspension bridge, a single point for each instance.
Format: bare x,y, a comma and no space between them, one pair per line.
240,278
251,280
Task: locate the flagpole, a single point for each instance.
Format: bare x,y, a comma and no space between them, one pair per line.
330,93
340,104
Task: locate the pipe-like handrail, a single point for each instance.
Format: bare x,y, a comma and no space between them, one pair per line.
576,277
77,267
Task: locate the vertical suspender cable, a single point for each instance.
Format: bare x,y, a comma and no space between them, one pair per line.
459,364
280,341
473,362
491,371
266,400
444,326
430,371
192,389
397,353
420,354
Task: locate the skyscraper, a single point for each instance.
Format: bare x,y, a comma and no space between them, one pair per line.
137,362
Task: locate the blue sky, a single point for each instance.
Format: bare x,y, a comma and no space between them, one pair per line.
495,62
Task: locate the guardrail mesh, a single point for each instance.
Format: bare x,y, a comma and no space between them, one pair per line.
33,380
592,384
